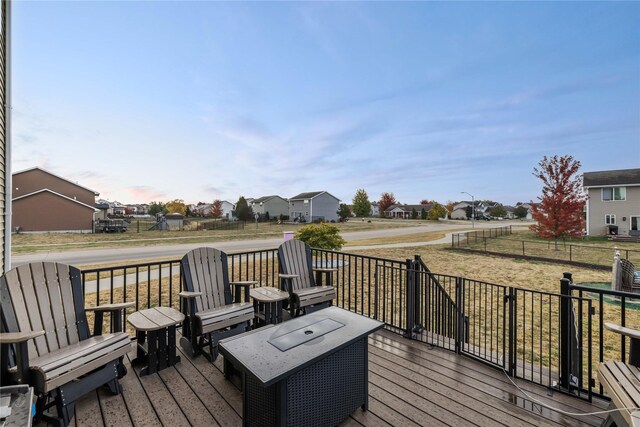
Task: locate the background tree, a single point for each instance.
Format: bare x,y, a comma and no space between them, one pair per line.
414,213
425,202
188,211
344,212
243,210
449,207
437,211
559,213
520,212
386,200
469,212
216,209
176,206
156,208
498,211
361,203
423,213
321,236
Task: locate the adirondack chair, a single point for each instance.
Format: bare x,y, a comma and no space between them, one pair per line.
297,278
45,338
210,313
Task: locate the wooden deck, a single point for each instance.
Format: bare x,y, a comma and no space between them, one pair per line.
410,384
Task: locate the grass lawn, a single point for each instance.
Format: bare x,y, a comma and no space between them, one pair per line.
597,250
31,242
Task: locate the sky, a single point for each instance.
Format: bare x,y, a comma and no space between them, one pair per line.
153,101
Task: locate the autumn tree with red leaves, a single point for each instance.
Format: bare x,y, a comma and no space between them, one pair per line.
386,200
560,211
216,209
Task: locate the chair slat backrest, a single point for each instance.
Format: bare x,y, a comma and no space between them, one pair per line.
44,296
205,270
294,257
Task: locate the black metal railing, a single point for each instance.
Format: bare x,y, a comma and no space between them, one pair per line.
609,306
459,240
597,256
543,337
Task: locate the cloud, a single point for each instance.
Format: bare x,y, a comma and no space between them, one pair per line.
549,92
145,193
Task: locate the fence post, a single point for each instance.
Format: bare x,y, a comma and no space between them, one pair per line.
409,300
460,332
421,278
565,330
512,331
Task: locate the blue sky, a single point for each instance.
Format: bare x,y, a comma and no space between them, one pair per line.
145,101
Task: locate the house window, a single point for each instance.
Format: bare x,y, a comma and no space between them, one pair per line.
609,219
614,193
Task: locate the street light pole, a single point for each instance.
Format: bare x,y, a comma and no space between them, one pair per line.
473,209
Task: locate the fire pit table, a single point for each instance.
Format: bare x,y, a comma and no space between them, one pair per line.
312,370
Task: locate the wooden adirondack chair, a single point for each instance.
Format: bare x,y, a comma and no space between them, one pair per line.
210,313
45,338
297,278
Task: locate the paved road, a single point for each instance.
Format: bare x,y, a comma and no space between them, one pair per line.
109,255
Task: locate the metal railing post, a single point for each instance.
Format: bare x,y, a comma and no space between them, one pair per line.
565,331
409,300
460,332
512,331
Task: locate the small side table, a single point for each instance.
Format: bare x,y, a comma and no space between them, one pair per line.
267,304
156,334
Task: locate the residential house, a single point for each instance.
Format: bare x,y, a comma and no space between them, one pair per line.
460,210
405,211
43,201
275,206
528,207
312,206
613,202
509,209
375,210
228,210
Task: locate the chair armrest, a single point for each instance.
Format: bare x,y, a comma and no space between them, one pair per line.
188,295
111,307
325,270
287,276
628,332
18,337
20,342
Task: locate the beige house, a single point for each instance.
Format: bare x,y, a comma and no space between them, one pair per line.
613,203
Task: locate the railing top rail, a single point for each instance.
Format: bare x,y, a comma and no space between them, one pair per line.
129,266
611,292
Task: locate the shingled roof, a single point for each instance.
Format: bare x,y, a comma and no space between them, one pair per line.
616,177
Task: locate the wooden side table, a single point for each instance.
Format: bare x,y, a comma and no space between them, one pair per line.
267,304
156,334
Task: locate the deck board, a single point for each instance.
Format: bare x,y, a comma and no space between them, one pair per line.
410,384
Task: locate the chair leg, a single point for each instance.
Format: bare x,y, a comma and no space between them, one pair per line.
41,403
65,411
122,369
114,387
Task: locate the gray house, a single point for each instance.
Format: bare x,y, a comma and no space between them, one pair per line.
274,205
317,205
613,203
